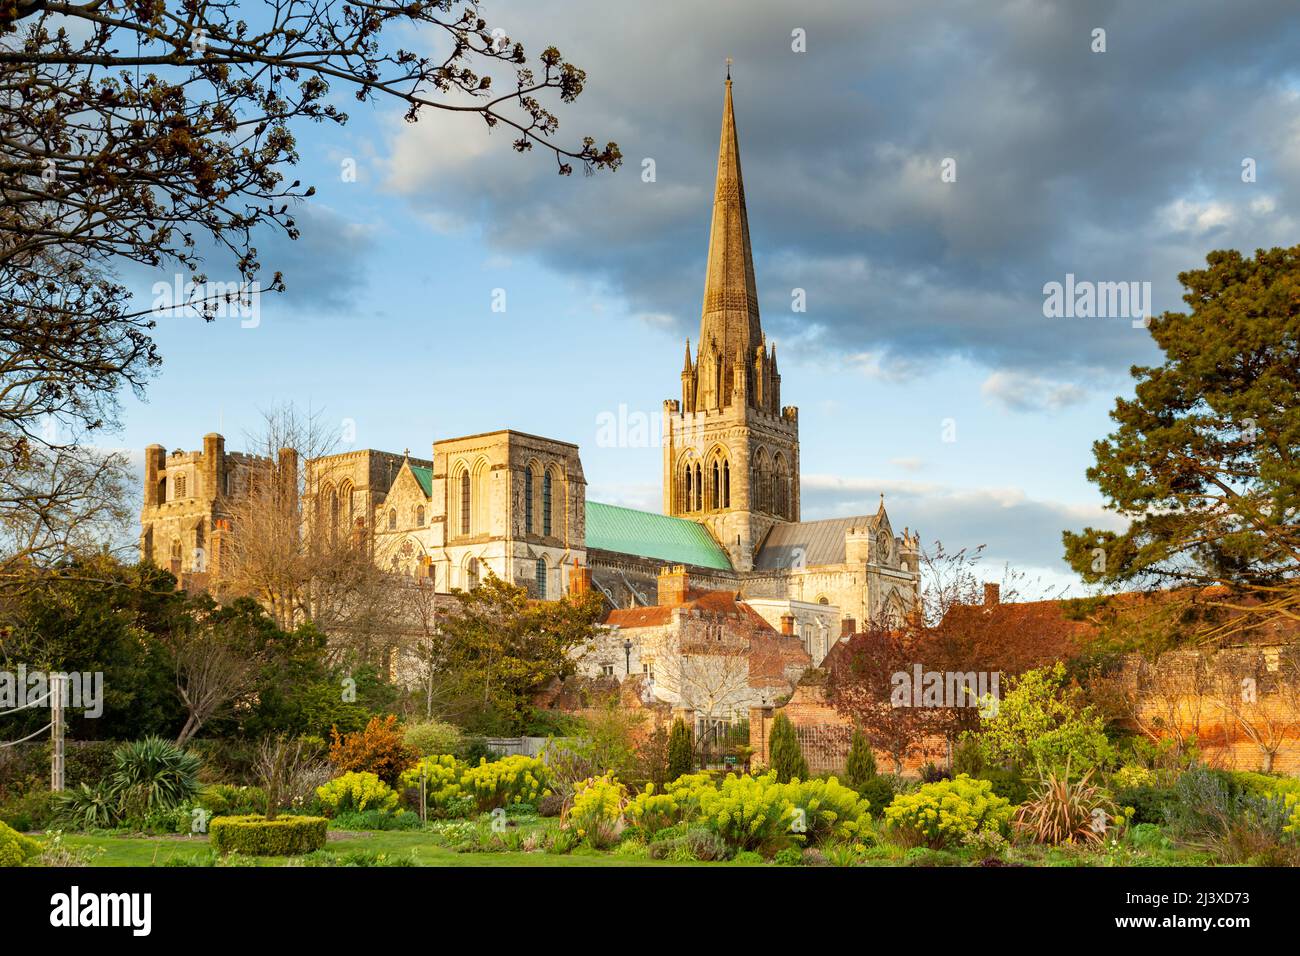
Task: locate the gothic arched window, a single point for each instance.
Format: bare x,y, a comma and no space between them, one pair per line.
392,519
547,489
465,482
419,516
471,574
726,484
715,493
541,574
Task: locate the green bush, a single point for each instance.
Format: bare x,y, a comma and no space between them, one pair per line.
32,811
255,835
681,750
691,845
377,820
228,800
790,856
860,768
15,848
1007,782
1150,804
878,792
433,737
784,753
1040,722
941,814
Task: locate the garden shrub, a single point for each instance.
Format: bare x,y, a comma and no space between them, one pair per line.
378,749
33,810
681,750
377,820
1039,723
676,802
1008,782
784,753
831,810
254,835
433,737
1150,804
747,812
551,805
441,775
860,767
355,792
878,792
16,848
596,811
1148,836
790,856
516,779
229,800
691,845
941,814
1131,776
1216,811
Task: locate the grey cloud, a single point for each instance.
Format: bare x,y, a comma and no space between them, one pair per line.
1067,161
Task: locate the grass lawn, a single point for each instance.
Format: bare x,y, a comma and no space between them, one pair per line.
419,848
414,846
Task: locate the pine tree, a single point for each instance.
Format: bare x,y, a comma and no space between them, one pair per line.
785,754
860,768
681,750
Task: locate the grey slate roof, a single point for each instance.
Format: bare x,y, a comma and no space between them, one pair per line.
822,542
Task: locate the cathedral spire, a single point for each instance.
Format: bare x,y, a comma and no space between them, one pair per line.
730,313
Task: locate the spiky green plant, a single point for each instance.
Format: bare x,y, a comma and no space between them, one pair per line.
1062,810
154,774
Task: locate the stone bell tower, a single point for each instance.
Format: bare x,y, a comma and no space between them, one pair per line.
731,451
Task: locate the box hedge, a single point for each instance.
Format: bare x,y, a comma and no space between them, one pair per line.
254,835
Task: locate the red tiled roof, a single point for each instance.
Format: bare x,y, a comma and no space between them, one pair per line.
724,604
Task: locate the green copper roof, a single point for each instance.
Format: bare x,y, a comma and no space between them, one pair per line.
425,477
675,540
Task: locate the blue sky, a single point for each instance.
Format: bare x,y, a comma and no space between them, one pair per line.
924,297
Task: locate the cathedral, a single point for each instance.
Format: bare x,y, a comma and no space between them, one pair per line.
514,504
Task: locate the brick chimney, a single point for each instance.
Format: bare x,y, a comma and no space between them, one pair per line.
847,626
787,624
992,594
673,584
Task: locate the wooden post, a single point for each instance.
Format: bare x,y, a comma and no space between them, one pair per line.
56,731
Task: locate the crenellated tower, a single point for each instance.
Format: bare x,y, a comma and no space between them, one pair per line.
731,451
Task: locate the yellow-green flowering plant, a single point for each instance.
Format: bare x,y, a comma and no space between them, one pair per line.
354,792
942,814
516,779
441,779
828,810
597,812
747,811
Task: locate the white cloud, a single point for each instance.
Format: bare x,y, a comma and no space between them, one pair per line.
1023,392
